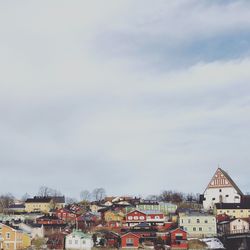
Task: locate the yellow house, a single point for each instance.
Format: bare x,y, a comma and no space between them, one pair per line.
114,216
44,204
26,240
11,238
232,209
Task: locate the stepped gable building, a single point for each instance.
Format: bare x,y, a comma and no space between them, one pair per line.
221,189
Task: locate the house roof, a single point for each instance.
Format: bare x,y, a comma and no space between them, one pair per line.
46,199
232,205
79,233
130,234
230,180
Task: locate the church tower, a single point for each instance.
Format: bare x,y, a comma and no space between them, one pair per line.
221,189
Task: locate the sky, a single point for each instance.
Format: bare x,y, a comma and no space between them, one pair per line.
136,97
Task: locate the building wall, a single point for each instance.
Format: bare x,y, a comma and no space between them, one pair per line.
237,213
36,206
239,226
129,241
199,226
11,238
111,216
217,195
163,207
75,242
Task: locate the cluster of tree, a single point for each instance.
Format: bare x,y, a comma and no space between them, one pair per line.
97,194
5,201
175,197
47,191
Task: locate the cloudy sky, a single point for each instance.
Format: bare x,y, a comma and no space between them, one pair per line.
133,96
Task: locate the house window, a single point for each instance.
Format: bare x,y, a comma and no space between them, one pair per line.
157,217
213,199
130,217
189,221
198,220
129,242
141,217
227,195
7,245
7,235
206,221
135,217
76,241
200,229
194,229
220,190
70,242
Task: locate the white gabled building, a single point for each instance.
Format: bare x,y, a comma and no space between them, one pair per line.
78,240
221,189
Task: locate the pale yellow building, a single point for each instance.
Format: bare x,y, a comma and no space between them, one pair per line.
232,209
114,216
44,204
11,238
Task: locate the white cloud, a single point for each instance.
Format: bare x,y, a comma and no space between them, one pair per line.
70,109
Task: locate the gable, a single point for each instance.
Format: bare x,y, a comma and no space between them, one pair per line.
222,180
136,213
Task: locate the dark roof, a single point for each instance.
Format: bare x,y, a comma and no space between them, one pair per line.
48,217
46,199
232,205
231,181
148,202
16,206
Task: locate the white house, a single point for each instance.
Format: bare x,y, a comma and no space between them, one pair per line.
35,231
239,226
221,189
198,225
78,240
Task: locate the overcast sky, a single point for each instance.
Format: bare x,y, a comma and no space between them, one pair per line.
133,96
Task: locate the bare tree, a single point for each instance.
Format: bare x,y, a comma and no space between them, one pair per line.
98,194
25,197
153,197
70,200
172,196
85,195
5,201
45,191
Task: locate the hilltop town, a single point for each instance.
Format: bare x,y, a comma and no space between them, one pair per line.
168,221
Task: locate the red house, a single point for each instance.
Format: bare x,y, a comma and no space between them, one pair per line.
130,240
178,239
49,220
135,217
153,217
65,215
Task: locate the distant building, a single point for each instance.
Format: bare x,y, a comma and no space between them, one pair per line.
135,217
44,204
221,189
130,240
198,225
239,226
234,210
178,239
79,241
164,207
